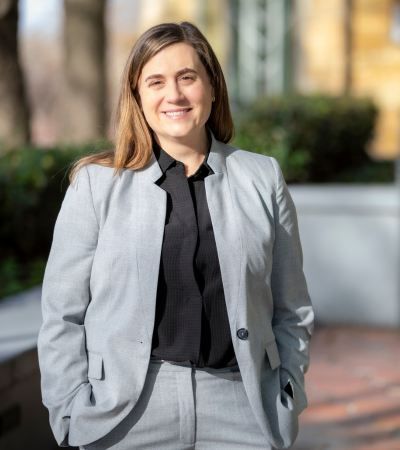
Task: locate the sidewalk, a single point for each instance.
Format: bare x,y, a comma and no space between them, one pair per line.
353,388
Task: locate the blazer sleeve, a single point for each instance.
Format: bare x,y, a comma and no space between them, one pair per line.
293,317
65,298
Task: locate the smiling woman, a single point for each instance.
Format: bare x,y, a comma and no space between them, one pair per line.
171,68
176,94
176,313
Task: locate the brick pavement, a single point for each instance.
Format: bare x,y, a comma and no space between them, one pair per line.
353,388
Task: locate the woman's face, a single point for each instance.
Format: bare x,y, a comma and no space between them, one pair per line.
175,93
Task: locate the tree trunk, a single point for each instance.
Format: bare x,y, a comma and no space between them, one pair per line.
14,113
84,100
348,46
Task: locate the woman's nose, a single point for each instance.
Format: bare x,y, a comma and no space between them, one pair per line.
173,93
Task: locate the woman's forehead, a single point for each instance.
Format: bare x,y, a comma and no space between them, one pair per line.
173,58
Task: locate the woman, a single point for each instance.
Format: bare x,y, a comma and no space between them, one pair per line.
176,313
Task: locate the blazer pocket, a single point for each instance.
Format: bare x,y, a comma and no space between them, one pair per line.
95,362
273,355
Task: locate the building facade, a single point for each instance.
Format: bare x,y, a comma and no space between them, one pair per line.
273,47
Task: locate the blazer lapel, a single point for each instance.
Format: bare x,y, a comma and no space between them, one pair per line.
226,232
151,221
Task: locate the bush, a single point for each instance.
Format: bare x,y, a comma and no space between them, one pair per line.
315,139
16,276
33,183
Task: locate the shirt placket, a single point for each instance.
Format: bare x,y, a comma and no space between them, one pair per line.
188,217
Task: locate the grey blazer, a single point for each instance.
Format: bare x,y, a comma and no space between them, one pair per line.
100,283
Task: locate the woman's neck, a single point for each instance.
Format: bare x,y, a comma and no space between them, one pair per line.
190,151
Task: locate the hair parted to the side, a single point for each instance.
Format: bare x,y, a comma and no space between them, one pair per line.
133,136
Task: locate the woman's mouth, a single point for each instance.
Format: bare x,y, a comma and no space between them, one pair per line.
177,114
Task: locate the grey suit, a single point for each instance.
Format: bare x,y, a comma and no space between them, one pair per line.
100,284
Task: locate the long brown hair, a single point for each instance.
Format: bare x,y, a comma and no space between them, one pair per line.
133,138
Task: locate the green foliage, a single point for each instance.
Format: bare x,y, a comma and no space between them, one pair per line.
16,276
33,182
315,139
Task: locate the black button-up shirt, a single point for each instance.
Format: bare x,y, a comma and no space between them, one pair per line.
191,320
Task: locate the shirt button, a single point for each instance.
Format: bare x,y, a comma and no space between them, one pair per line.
243,333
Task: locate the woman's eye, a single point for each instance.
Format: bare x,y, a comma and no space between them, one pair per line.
155,83
187,78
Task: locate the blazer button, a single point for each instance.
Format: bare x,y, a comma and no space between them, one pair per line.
243,334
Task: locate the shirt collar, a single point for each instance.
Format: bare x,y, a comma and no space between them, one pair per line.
164,159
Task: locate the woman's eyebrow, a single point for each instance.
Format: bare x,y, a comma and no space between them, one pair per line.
151,77
186,70
180,72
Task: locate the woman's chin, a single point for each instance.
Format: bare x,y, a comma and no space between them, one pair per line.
179,132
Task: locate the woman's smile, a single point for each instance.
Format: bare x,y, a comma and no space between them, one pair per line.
177,113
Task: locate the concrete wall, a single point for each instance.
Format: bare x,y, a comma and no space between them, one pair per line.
24,421
351,244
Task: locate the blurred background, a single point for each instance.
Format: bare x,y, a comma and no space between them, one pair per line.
314,83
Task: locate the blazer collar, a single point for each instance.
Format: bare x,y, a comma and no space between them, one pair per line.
215,160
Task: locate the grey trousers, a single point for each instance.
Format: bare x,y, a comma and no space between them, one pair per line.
183,408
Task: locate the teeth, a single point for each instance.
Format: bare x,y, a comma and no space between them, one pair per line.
176,113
